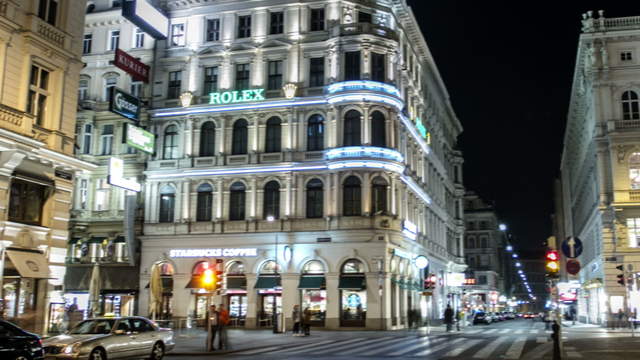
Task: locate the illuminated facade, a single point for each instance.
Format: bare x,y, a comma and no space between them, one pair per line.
40,62
600,162
318,133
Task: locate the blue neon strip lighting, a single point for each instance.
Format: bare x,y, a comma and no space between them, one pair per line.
365,97
363,85
239,171
236,107
363,151
409,125
366,164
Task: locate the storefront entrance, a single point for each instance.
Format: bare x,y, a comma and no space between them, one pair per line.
270,301
119,304
237,305
316,302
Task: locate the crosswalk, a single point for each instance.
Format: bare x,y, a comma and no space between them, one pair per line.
500,344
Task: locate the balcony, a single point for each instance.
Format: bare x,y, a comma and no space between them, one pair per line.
359,152
626,196
363,29
364,91
15,120
622,125
48,33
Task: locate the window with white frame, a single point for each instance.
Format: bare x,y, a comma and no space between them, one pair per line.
138,39
174,85
136,88
106,139
101,201
114,39
83,89
210,80
630,105
84,193
177,35
87,133
633,227
86,43
109,82
38,93
634,171
626,55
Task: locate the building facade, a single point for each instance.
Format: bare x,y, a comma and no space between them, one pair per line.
40,63
599,169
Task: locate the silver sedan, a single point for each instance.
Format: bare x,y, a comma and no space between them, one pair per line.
111,338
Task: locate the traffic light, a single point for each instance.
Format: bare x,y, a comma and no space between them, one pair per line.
621,275
209,280
552,263
430,281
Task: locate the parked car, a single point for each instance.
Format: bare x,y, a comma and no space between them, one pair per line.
508,315
111,338
17,344
497,316
480,317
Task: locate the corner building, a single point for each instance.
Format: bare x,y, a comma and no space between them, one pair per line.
325,186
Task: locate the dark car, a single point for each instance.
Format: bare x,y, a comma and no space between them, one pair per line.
481,317
17,344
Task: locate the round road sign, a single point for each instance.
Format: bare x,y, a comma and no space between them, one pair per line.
573,267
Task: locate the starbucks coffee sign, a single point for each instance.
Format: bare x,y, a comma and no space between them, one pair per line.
238,96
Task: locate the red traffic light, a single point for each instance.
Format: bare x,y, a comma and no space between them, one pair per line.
552,255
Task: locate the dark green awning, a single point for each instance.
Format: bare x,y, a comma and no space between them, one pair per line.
352,283
268,282
239,282
119,239
312,282
96,240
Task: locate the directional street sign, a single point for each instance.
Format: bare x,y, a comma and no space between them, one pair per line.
573,266
572,247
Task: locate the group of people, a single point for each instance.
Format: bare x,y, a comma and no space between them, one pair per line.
301,321
451,317
217,322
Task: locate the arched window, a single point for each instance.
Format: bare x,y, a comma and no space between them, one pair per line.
630,106
171,142
315,133
269,267
204,207
110,81
167,203
235,268
351,196
352,266
315,198
273,142
379,195
236,201
634,170
271,200
313,267
200,267
240,137
352,128
166,269
208,139
378,129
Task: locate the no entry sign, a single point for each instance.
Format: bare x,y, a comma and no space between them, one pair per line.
573,266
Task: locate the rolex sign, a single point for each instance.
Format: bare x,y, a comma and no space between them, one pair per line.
124,104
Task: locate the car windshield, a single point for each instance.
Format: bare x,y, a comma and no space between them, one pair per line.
98,326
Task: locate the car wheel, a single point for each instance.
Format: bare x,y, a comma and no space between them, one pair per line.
157,353
22,357
97,354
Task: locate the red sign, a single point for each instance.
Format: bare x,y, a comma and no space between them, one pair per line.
132,66
470,281
573,266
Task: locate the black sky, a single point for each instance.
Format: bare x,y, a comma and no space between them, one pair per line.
508,67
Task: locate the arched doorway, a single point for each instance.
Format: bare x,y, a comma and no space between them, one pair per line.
313,293
353,294
236,292
269,289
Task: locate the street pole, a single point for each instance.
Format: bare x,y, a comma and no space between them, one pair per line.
557,325
275,300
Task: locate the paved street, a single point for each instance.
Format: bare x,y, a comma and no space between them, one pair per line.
517,339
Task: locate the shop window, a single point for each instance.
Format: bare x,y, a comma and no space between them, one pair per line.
207,139
269,267
630,106
170,142
273,139
313,291
167,204
240,137
378,133
204,207
315,198
379,196
315,133
353,294
352,128
271,200
235,268
237,201
352,65
313,267
351,197
26,202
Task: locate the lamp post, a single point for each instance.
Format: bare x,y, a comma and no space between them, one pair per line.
274,321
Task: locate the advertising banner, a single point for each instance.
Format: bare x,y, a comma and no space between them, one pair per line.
132,66
145,16
124,104
140,139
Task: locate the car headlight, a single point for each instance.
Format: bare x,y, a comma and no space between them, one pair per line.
72,349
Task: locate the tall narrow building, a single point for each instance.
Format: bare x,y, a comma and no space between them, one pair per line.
40,46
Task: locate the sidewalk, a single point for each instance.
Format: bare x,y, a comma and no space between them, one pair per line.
582,327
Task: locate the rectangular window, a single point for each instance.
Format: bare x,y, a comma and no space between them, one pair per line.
175,84
210,80
138,40
136,88
378,67
352,65
38,93
86,43
107,140
626,56
114,39
177,35
244,26
26,202
167,203
48,11
316,72
277,23
109,83
317,19
101,202
213,29
242,76
275,75
83,90
84,191
364,17
633,227
86,138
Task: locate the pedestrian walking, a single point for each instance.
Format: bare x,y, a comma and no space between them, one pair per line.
461,319
295,317
213,318
620,317
306,321
448,317
223,317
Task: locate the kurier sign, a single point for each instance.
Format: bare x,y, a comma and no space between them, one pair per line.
140,139
231,97
132,66
124,104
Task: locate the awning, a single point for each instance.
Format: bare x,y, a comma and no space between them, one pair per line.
352,283
30,263
194,283
268,282
238,282
312,282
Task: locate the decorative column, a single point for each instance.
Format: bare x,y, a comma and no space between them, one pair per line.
366,56
366,194
186,193
254,198
331,135
365,127
373,321
300,196
188,146
219,199
326,207
290,297
251,320
221,141
288,197
336,195
332,317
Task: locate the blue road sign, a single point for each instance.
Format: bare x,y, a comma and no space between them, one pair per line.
572,247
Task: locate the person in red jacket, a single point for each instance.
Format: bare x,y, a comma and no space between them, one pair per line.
223,316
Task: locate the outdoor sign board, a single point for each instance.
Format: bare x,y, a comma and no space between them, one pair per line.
232,97
572,247
116,176
145,16
138,70
218,252
124,104
140,139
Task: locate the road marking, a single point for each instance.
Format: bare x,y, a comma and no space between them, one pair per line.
439,347
541,339
486,352
375,350
317,345
256,351
535,331
504,331
463,348
381,343
538,352
472,331
515,350
490,331
304,346
424,343
519,331
336,347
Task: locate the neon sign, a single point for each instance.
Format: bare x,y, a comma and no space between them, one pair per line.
421,129
225,252
232,97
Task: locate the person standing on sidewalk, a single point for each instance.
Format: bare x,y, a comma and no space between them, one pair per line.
223,317
448,317
213,320
295,317
306,321
461,319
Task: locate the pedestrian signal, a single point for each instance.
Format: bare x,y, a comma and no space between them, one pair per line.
552,262
620,276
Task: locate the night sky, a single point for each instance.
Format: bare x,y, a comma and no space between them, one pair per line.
508,67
